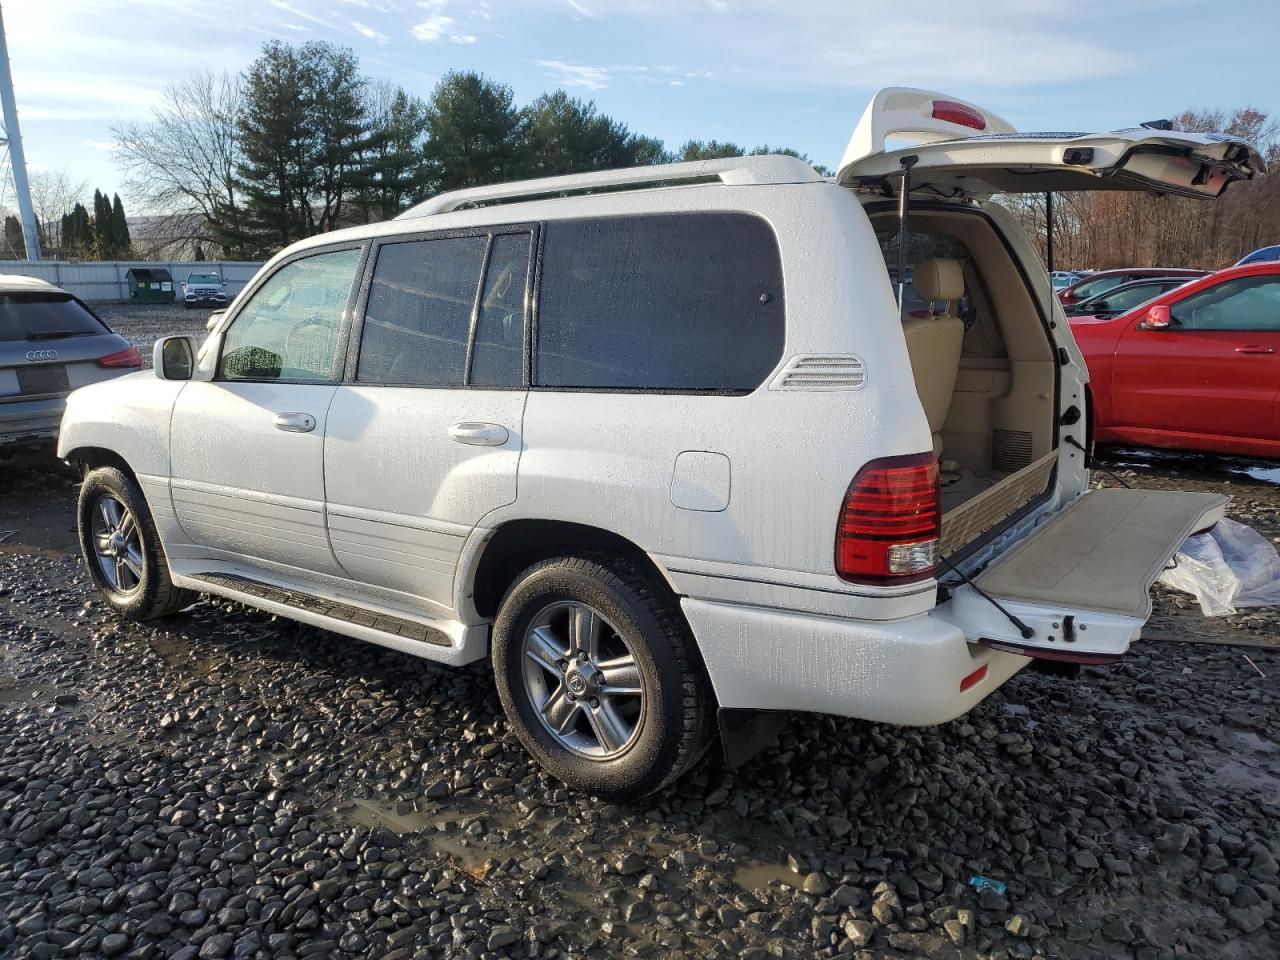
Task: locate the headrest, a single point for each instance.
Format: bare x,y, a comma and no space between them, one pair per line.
938,279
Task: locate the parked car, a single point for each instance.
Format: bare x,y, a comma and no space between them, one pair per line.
50,343
1105,280
1064,278
1198,368
204,289
1261,255
657,442
1123,298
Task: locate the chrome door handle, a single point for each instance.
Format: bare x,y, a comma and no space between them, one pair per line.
479,434
295,422
1253,348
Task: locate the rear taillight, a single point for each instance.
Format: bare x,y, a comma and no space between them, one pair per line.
891,521
125,358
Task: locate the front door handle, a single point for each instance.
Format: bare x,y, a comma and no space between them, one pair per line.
479,434
1255,348
295,422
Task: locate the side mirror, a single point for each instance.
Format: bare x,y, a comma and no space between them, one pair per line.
174,358
1158,318
214,319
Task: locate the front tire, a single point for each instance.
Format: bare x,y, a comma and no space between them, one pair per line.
122,549
599,676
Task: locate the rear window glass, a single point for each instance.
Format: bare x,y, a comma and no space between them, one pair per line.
45,316
664,302
418,318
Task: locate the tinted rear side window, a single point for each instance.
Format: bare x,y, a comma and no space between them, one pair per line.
418,318
45,316
664,302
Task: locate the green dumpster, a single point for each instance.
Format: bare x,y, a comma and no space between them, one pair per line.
150,285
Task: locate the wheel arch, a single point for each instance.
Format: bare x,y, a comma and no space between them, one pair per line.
518,544
90,458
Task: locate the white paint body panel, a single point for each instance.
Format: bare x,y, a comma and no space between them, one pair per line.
402,495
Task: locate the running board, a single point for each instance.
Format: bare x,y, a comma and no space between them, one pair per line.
450,642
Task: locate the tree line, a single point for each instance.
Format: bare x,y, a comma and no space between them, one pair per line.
76,233
302,142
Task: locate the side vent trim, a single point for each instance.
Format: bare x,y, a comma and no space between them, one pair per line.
816,373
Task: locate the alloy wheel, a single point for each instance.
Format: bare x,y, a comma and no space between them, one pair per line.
583,680
116,544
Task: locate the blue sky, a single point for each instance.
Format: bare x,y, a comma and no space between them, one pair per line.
786,72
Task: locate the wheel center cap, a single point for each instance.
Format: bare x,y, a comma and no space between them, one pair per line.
582,678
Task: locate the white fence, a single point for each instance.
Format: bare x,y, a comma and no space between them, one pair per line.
105,280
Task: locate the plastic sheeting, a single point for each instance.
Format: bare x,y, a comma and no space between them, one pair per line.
1228,567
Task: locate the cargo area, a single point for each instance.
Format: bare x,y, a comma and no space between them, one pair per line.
984,366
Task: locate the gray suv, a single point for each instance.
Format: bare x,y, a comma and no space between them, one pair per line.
50,343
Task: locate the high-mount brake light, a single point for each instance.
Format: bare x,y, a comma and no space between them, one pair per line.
959,113
125,358
890,523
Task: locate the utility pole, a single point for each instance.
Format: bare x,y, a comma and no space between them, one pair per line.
17,162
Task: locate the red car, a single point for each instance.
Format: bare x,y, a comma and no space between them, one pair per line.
1104,280
1197,368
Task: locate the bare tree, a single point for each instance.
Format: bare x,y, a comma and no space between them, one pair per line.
54,193
182,163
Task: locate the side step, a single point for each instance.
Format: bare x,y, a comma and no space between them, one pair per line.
451,642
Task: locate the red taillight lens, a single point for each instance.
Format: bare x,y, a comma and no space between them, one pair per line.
125,358
959,113
891,521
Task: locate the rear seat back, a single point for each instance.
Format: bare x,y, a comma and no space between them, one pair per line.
934,343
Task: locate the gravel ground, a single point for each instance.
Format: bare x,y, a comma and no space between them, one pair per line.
228,784
143,323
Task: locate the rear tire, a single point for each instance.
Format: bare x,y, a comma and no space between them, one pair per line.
620,743
122,550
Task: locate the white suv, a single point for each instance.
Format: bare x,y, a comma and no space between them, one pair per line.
660,442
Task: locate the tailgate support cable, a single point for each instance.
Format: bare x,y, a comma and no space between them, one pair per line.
1094,463
1026,631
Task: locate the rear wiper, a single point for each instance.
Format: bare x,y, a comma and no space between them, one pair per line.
57,334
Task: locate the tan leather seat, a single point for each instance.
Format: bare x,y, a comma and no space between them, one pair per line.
935,343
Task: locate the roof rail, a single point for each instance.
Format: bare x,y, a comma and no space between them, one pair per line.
772,168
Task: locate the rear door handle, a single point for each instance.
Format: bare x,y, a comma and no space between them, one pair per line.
295,422
479,434
1255,348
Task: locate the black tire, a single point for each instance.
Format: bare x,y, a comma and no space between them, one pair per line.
676,717
154,595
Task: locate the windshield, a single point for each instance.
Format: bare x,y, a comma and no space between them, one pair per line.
203,278
45,316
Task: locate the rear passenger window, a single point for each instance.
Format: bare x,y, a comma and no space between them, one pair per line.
664,302
418,317
497,358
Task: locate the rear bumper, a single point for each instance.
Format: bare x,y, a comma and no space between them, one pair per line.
26,420
904,671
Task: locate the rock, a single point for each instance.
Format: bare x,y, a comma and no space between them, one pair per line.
816,884
501,936
630,864
1019,925
114,944
955,931
859,932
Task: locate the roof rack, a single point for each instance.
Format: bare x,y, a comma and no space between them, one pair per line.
770,168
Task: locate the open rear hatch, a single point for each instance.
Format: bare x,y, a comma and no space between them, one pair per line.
1080,584
960,149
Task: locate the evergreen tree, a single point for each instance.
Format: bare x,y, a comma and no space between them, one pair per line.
474,131
78,238
565,135
394,172
15,241
708,150
103,232
340,127
278,147
123,243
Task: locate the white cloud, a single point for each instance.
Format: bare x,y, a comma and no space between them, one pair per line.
719,6
366,31
576,75
463,38
104,146
432,28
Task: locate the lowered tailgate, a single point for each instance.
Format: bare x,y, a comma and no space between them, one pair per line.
1081,582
